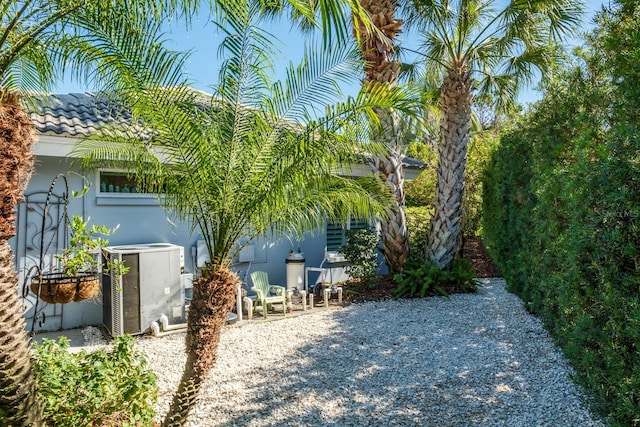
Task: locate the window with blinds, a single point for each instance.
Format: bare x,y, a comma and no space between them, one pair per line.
336,233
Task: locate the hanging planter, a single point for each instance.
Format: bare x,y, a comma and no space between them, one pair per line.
59,288
76,278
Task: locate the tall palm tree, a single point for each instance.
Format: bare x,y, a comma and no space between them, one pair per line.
38,39
256,158
382,68
471,46
17,384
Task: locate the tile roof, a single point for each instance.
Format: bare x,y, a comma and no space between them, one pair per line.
82,114
413,163
74,114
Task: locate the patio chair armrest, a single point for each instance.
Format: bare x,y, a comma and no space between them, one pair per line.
258,292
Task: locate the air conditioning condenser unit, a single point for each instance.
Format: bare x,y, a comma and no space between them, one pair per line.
150,288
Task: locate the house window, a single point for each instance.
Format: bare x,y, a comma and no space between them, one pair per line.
122,183
117,182
117,188
336,233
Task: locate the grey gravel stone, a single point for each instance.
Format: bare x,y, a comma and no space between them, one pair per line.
468,360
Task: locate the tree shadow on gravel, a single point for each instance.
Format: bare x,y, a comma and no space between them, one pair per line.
473,359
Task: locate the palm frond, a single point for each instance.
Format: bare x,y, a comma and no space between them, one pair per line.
437,57
31,71
314,83
502,88
94,42
236,166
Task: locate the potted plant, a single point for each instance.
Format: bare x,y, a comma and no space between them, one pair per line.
76,276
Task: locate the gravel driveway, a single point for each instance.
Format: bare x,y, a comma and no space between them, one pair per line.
469,360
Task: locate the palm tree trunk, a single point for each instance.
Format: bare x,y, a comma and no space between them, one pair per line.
380,68
18,404
213,298
394,232
446,224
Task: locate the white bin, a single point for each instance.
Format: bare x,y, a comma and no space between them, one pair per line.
295,271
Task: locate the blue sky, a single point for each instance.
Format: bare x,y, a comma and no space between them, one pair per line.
203,40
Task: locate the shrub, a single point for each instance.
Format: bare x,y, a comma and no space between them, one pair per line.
422,190
480,147
418,219
561,217
421,279
111,387
362,254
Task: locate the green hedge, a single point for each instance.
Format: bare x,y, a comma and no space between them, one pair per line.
562,220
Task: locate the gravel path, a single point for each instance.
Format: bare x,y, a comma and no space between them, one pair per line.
476,359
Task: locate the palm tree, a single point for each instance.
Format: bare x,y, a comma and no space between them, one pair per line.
38,39
381,68
17,384
256,158
470,46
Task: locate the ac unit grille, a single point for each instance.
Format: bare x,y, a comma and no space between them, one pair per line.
116,306
112,309
130,295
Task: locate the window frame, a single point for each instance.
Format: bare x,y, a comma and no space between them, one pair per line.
121,198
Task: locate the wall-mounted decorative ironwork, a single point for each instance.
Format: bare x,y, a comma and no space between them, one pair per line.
37,243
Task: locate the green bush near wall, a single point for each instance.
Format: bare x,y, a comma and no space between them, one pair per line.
479,152
108,387
562,217
421,193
